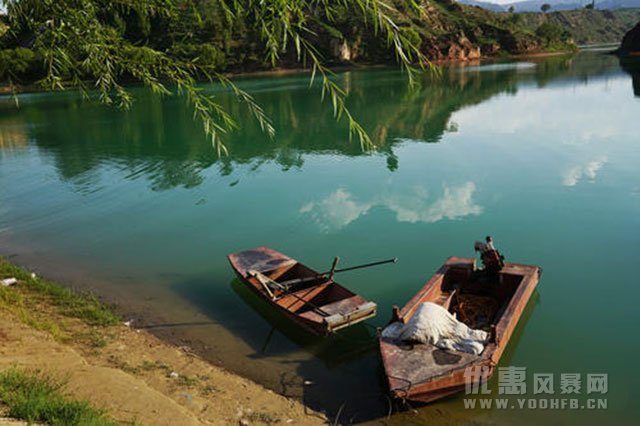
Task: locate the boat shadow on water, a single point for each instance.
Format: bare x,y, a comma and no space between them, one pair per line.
341,375
353,390
346,354
333,350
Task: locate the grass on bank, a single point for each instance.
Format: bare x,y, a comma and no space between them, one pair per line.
36,397
31,292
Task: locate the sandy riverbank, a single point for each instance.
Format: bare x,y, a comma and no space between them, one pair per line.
129,372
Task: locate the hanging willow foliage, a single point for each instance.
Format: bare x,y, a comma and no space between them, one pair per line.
82,45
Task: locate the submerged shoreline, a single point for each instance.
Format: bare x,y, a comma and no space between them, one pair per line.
127,371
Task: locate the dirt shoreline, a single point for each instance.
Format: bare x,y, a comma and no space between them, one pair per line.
130,372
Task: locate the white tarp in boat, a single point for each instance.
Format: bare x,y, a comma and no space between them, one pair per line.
435,325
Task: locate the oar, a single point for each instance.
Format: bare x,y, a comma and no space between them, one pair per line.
335,271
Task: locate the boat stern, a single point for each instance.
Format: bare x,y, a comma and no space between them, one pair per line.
348,317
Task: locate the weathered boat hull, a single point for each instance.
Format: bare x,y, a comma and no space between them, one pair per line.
425,373
320,307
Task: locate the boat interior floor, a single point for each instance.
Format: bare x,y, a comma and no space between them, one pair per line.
416,363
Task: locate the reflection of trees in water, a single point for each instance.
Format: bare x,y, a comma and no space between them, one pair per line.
424,112
583,67
13,134
158,139
632,67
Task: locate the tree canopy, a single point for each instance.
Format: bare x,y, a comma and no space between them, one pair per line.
551,32
98,46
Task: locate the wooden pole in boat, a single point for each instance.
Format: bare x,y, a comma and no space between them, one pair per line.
366,265
335,271
333,267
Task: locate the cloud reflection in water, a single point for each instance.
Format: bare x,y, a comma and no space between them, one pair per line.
339,208
575,174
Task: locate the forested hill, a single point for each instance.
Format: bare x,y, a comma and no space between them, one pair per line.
442,29
450,30
588,26
447,30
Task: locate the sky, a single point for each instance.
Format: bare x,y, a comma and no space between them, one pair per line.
551,2
508,1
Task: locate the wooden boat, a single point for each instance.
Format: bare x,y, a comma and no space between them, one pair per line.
310,299
332,350
423,372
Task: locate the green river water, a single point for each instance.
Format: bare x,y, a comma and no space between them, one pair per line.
542,154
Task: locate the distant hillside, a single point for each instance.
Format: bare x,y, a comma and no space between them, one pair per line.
588,26
556,5
447,30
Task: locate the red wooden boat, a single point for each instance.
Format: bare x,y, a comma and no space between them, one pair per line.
423,372
310,299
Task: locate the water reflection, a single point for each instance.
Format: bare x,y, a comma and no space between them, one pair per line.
589,171
13,134
632,67
159,141
336,211
585,67
501,67
455,202
339,208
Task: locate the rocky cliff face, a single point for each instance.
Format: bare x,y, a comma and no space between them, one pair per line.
443,30
631,42
451,31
